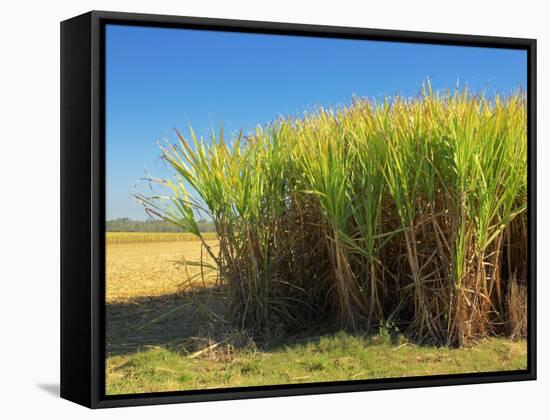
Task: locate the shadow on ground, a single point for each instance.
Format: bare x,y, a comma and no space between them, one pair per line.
169,321
186,322
52,389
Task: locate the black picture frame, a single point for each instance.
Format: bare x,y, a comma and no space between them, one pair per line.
83,207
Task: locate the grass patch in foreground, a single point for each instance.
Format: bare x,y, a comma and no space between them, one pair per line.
331,358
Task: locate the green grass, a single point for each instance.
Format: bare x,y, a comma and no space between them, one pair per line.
329,358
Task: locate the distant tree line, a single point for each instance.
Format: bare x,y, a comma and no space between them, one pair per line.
125,224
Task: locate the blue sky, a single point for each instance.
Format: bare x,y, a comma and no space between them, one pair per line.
158,79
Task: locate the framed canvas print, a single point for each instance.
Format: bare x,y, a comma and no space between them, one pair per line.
255,209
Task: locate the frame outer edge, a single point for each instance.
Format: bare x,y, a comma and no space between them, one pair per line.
532,208
97,212
96,120
76,245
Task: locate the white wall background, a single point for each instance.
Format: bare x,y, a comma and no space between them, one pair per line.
29,208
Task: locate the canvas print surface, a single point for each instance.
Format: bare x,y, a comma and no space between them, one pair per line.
286,209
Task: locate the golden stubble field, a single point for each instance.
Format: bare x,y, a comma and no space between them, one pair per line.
149,289
142,265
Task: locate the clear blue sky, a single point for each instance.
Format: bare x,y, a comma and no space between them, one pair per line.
157,79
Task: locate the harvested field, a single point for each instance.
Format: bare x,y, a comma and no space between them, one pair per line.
137,268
